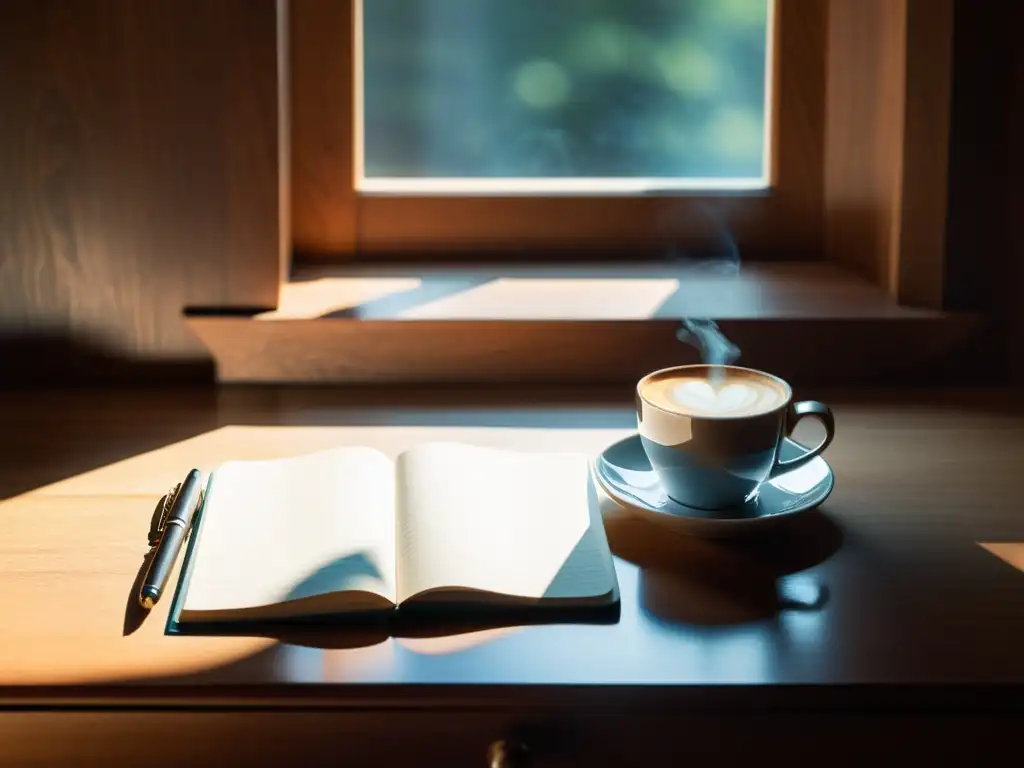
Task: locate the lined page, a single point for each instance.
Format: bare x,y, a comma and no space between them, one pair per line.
492,520
293,528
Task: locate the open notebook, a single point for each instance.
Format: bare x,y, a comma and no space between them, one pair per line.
348,531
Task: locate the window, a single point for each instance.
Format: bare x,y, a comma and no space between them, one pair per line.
452,128
563,96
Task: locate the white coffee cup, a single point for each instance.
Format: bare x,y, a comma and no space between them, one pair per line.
713,433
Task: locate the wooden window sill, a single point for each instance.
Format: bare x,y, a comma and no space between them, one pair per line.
570,324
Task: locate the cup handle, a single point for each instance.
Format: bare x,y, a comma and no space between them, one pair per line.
796,412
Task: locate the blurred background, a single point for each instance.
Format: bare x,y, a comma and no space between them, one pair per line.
578,88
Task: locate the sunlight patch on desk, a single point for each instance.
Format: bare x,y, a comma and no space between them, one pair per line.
510,298
69,567
1010,552
150,474
72,607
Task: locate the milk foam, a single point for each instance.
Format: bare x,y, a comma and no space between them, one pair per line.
734,397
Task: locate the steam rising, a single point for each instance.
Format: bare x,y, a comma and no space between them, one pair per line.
715,349
703,333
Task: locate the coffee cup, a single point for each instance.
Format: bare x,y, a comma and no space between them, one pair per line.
713,432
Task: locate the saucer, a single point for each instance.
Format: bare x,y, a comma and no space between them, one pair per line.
625,473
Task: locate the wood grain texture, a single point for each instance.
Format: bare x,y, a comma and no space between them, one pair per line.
913,603
887,142
139,149
786,223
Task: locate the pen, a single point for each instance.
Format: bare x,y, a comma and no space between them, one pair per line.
175,528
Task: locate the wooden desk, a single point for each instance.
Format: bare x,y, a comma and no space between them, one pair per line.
910,615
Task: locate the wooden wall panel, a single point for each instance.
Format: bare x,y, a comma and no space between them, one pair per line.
1007,196
1014,205
863,130
139,157
919,277
887,142
984,246
321,96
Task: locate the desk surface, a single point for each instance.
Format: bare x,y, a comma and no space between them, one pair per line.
898,585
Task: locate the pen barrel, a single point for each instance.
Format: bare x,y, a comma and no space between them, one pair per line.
187,499
162,564
175,529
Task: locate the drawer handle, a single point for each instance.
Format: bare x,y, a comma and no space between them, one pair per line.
508,754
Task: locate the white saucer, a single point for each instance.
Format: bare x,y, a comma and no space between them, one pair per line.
625,473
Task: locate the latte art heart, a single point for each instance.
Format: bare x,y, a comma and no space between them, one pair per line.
728,399
736,396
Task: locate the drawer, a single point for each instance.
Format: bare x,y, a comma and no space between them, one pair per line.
460,738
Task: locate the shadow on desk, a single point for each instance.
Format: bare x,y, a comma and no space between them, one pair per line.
413,623
703,582
73,405
683,580
360,630
370,639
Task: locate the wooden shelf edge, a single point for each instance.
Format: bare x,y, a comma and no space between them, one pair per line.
852,351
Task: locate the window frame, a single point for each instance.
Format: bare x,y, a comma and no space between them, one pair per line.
332,221
862,154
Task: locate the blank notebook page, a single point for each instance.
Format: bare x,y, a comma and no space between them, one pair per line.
279,530
492,520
